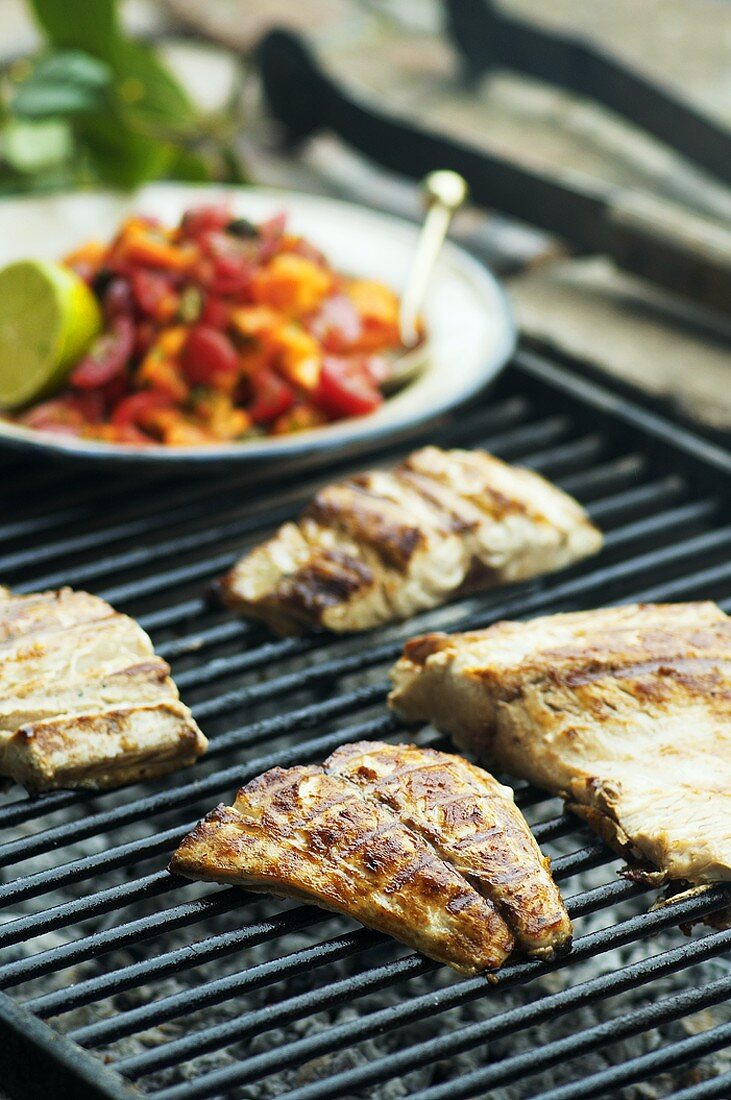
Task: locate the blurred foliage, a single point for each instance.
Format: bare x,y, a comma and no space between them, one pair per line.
97,107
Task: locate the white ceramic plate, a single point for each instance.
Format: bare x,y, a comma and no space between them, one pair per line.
467,317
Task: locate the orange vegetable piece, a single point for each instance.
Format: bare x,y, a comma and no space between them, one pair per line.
374,301
91,252
297,355
291,283
298,419
141,245
221,417
256,321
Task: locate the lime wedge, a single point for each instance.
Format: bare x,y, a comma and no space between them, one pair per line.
48,318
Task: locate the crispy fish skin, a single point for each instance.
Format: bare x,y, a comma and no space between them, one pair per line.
625,712
303,833
386,544
473,823
84,699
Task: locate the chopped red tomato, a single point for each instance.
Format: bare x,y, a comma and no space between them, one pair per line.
132,410
118,299
107,358
272,397
346,389
205,219
216,312
207,355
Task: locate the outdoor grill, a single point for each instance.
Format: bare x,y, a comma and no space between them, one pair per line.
120,979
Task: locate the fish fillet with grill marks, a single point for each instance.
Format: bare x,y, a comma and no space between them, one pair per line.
626,712
84,700
416,844
383,545
302,833
473,823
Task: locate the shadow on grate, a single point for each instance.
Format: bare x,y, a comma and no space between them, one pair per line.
180,990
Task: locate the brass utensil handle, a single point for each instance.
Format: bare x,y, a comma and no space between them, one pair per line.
444,192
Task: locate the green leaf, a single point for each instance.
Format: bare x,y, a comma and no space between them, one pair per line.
189,166
122,158
35,146
89,25
149,95
75,66
63,84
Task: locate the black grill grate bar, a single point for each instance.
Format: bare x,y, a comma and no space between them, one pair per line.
146,555
675,519
278,506
506,1023
567,455
662,491
150,489
716,1088
683,1053
184,793
259,1020
100,943
122,935
665,489
159,842
701,581
222,989
172,962
253,1022
116,897
623,1027
577,587
180,1004
358,661
94,905
305,717
416,1008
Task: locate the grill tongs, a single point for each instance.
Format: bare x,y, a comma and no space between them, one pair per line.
683,251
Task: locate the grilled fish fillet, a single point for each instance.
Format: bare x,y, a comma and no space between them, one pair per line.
84,700
384,545
472,823
306,834
625,712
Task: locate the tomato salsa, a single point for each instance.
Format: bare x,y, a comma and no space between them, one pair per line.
219,329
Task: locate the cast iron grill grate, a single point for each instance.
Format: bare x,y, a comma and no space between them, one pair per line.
180,990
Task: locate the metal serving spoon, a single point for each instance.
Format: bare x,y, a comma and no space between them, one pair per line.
444,192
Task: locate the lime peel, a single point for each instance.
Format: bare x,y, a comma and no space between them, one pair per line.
48,319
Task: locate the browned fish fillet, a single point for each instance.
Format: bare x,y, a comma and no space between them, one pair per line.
626,712
384,545
305,834
472,822
84,700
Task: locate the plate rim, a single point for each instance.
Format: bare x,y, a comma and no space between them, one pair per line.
299,444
